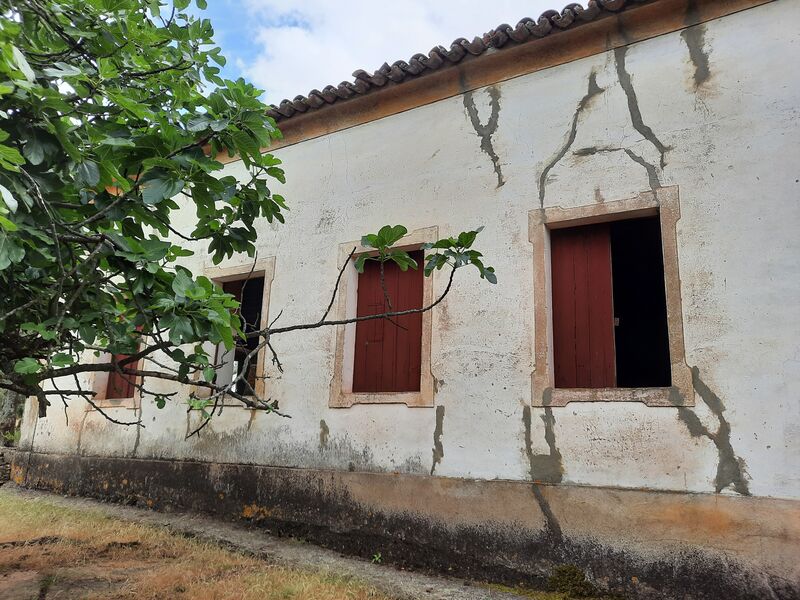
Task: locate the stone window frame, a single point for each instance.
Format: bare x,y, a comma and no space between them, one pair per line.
341,394
264,267
663,202
98,384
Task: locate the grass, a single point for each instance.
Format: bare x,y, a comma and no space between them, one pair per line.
60,552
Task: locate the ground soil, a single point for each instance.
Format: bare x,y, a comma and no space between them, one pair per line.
54,547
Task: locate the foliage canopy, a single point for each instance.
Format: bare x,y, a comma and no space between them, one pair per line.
113,117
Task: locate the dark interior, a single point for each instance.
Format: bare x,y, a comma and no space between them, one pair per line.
641,337
250,293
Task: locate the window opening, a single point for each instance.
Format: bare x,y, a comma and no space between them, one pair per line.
250,294
609,306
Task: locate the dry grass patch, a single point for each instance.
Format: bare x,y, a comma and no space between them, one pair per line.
59,552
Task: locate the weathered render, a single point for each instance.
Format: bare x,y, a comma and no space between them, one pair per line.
700,498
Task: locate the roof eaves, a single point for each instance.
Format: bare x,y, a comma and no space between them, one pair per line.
502,36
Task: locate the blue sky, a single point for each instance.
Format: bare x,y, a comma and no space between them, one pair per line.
292,46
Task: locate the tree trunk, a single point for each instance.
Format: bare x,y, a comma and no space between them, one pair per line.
10,407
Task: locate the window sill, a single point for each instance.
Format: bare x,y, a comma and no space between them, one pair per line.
655,396
103,404
411,399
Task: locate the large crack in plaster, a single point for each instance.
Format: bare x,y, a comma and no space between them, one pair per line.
485,132
592,91
633,104
730,469
438,448
652,171
544,467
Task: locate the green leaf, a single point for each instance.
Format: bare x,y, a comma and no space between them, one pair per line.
360,262
33,151
22,64
61,70
181,283
118,141
7,225
9,251
10,158
181,331
8,199
87,174
62,359
27,366
156,190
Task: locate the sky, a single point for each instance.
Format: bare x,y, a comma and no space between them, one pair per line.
290,47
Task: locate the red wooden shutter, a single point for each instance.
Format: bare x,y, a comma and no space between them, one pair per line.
119,386
583,314
388,353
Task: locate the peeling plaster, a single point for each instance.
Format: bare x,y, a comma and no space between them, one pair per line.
592,91
485,132
438,448
731,470
633,105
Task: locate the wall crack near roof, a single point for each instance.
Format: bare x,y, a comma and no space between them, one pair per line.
438,448
633,105
592,91
731,470
544,467
485,132
694,37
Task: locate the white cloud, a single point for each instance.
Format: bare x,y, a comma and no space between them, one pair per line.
313,43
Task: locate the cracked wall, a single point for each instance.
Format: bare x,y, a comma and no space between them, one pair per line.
597,129
487,130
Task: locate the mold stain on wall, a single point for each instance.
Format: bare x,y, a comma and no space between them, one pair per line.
485,132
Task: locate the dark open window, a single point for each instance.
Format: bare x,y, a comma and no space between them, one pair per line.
250,294
609,306
388,352
120,386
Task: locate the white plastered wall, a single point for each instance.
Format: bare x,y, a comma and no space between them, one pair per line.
733,142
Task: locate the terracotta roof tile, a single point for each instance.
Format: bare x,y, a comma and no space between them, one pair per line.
440,57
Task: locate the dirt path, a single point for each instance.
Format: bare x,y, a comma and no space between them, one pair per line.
400,585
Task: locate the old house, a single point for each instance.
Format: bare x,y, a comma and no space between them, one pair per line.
624,399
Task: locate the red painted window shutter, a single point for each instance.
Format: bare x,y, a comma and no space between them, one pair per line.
119,386
388,354
583,314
